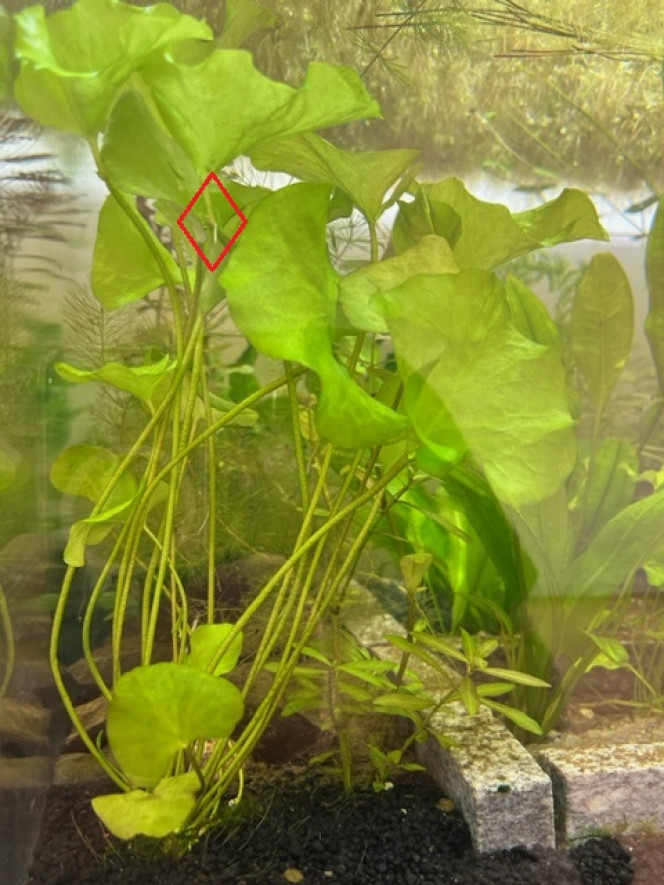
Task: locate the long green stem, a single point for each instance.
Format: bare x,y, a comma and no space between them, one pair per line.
10,657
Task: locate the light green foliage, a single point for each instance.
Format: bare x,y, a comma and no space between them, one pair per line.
478,385
453,333
5,54
206,640
124,266
156,814
430,255
655,280
243,18
75,62
148,383
602,326
486,235
85,470
282,291
160,709
252,107
364,177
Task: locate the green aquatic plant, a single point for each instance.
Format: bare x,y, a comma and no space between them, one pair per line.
477,386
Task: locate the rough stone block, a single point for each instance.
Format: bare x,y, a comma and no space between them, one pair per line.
606,787
503,794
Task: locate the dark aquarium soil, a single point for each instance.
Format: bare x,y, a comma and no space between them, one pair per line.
297,826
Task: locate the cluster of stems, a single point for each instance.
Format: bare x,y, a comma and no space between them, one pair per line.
310,583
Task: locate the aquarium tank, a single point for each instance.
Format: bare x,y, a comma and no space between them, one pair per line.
331,398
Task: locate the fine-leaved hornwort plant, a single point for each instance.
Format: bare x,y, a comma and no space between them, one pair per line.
477,394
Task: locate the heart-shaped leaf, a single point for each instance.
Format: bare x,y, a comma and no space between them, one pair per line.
157,814
474,383
74,63
124,267
282,291
431,255
159,709
250,108
206,640
366,177
148,383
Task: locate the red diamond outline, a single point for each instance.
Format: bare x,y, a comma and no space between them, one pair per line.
212,266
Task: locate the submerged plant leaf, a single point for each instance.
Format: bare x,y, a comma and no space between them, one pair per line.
529,313
243,18
205,642
92,530
655,278
157,814
74,63
223,106
602,326
632,538
140,158
124,267
85,470
431,255
159,709
475,384
611,485
569,217
6,55
486,235
282,291
366,177
148,383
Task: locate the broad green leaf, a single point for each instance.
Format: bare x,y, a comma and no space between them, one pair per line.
468,694
157,814
227,87
527,723
282,292
546,533
655,279
602,326
529,313
140,158
366,177
243,18
93,530
159,709
149,383
86,470
14,470
516,676
603,662
431,255
124,267
627,541
570,217
611,648
473,496
74,63
414,567
205,643
473,383
486,235
612,483
6,54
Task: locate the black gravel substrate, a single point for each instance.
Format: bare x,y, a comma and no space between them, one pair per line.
304,830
